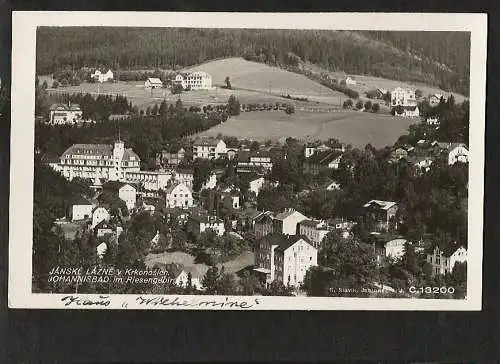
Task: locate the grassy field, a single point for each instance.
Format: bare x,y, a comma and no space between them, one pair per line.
352,127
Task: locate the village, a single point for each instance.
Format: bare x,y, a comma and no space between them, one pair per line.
218,220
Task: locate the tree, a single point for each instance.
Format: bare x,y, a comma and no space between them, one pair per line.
347,104
375,107
228,83
233,106
154,110
290,109
359,105
317,281
368,105
163,108
418,93
176,89
55,84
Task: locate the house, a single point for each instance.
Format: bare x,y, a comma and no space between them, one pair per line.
286,221
65,114
91,161
321,161
311,148
170,157
255,185
435,99
175,273
210,183
421,163
179,195
398,154
101,250
209,148
184,175
152,82
314,230
285,259
342,226
443,260
432,120
99,214
198,224
381,214
260,160
246,219
263,224
404,102
331,185
350,81
198,80
456,152
125,192
232,199
81,209
388,246
100,77
103,228
150,180
232,153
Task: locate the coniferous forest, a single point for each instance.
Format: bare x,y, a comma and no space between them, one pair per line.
436,58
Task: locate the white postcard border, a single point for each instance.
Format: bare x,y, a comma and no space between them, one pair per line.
24,26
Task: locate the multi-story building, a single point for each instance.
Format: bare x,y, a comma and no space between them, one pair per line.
198,224
209,148
149,180
91,161
184,175
404,102
381,214
170,157
252,160
198,80
81,209
443,260
179,195
314,230
456,152
321,161
255,185
65,114
125,192
263,224
285,258
286,221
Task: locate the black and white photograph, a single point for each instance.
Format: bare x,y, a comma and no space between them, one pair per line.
322,164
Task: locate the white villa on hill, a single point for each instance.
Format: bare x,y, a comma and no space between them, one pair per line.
404,99
198,80
98,76
152,82
179,195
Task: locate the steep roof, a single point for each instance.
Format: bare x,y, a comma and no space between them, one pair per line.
114,185
283,242
384,205
287,213
169,189
154,80
324,157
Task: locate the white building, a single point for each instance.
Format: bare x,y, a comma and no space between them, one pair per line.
99,214
150,180
210,183
404,99
443,260
100,77
198,224
252,160
314,230
184,176
395,248
65,114
332,186
195,81
124,191
457,152
153,82
432,120
81,210
255,185
350,81
310,149
91,161
209,148
179,195
435,99
285,259
286,221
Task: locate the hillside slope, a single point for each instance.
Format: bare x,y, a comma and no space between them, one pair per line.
256,76
381,54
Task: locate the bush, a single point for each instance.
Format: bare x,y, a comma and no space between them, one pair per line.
359,105
368,105
290,109
375,107
347,104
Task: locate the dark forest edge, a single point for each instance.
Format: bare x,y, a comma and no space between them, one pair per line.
435,58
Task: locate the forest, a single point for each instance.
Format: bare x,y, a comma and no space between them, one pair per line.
436,58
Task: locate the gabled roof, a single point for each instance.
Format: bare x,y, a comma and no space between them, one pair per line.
449,249
154,80
80,200
383,205
206,142
287,241
324,157
115,185
169,189
287,213
310,223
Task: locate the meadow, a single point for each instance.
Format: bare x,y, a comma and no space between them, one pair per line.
353,127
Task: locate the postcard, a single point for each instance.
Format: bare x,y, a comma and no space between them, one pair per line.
247,161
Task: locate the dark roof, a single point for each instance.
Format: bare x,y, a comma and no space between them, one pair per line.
283,242
205,218
243,156
98,149
206,141
311,223
80,200
113,185
324,157
185,170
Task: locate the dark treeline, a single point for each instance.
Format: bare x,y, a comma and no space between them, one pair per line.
146,135
351,52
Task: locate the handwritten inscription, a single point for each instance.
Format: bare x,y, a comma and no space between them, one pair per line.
103,301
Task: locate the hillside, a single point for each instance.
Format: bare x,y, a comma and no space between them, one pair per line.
442,58
260,77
